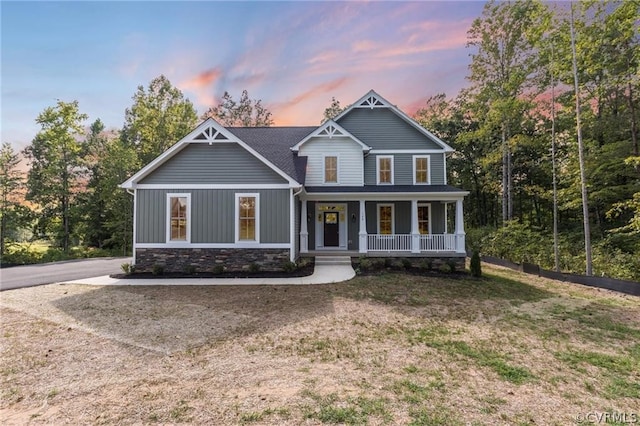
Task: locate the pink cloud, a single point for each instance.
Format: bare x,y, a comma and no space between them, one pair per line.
203,80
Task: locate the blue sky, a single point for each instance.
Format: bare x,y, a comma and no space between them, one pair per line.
293,55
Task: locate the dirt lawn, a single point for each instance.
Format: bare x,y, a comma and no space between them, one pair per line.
386,349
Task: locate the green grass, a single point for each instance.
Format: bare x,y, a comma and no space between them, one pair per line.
352,411
258,416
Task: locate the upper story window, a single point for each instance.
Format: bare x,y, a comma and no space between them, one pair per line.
178,217
330,169
421,169
385,169
247,218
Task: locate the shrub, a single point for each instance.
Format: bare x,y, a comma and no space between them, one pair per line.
190,269
254,267
158,269
474,266
426,264
445,268
452,265
365,263
127,268
218,269
289,266
388,262
406,263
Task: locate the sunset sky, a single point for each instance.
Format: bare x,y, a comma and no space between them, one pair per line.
293,55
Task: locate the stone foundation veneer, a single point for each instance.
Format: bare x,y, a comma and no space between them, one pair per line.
205,259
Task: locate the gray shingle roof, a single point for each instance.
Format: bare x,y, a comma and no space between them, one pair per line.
273,143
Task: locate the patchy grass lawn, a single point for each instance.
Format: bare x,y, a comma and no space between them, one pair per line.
387,349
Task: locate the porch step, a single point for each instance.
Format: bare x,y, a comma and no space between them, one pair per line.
333,260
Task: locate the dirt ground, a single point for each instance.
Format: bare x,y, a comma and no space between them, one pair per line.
386,349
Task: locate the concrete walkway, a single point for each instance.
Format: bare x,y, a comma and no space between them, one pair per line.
322,274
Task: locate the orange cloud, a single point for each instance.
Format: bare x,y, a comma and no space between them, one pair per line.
203,80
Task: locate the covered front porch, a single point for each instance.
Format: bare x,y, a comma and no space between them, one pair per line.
392,225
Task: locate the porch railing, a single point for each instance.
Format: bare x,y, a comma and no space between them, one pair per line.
438,242
389,242
403,242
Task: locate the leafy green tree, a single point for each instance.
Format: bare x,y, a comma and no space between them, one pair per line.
243,113
158,118
333,110
506,38
55,157
10,183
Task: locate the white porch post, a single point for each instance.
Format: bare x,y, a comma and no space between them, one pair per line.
415,232
304,233
460,245
362,233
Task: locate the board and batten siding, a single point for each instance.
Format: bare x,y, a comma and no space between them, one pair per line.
350,160
212,215
381,128
403,169
221,163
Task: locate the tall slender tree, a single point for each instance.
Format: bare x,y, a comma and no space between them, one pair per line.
56,163
10,183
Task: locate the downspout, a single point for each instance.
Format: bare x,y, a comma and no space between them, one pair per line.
133,243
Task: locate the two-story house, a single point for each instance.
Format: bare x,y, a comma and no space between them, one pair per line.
371,182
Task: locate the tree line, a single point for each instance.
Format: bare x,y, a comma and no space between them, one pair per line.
536,71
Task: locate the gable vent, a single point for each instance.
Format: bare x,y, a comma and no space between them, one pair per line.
210,134
330,131
372,102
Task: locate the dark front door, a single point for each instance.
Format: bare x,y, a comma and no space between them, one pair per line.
331,231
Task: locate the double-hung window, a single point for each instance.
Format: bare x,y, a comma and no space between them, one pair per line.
385,219
247,218
178,218
385,169
421,172
424,216
330,169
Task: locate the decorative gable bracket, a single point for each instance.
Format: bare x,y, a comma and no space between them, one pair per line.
330,131
372,102
210,134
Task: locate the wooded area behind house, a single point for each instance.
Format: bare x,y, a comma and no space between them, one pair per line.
514,129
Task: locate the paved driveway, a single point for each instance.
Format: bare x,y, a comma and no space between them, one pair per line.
47,273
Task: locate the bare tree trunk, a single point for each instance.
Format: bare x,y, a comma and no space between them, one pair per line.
556,253
583,179
505,174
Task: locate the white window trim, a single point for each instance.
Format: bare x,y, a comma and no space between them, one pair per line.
237,217
324,169
428,157
428,218
378,158
393,217
168,239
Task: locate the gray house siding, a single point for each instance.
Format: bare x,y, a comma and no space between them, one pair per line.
221,163
381,128
402,216
212,215
353,208
403,169
296,215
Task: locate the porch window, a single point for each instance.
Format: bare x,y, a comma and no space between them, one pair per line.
385,219
421,172
178,211
385,169
424,222
330,169
247,215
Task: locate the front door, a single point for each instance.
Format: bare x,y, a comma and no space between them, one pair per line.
331,229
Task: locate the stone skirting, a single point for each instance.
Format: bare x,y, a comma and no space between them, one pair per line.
206,259
435,262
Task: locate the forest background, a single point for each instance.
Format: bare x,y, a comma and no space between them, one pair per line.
545,131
